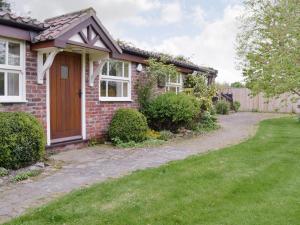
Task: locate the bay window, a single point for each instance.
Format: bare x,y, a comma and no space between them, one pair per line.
12,71
174,84
115,81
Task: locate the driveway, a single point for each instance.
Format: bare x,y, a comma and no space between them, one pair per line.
95,164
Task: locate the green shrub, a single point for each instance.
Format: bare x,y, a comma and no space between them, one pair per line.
144,144
3,172
165,135
25,175
222,107
171,111
236,106
206,122
128,125
22,140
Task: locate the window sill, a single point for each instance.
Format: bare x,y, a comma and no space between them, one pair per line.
11,101
115,99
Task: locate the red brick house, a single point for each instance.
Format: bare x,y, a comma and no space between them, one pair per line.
70,73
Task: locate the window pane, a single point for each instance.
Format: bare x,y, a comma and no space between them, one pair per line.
103,89
1,83
12,84
2,52
104,69
125,89
14,54
115,69
126,69
64,72
114,89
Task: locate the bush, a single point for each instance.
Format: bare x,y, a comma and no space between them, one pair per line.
236,105
166,135
171,111
128,125
222,107
206,122
22,140
3,172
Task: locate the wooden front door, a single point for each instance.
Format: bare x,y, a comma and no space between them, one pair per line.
65,97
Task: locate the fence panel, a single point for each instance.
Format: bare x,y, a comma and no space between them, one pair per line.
259,103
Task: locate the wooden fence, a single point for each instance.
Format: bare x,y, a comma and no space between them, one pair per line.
284,103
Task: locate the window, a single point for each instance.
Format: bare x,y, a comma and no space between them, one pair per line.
174,84
115,81
12,64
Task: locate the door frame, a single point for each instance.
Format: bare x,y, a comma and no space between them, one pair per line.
83,106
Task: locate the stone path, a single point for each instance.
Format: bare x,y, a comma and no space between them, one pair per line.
96,164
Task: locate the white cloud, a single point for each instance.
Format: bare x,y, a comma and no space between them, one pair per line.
171,12
110,12
214,46
198,15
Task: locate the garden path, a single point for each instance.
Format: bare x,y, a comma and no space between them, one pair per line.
95,164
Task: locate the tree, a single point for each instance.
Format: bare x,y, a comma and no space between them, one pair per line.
237,85
5,5
269,46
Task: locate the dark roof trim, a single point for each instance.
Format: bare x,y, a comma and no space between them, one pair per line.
14,32
147,54
10,19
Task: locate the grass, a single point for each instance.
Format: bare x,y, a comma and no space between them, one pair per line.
253,183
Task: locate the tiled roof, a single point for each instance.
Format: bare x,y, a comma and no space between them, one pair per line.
25,21
60,24
184,63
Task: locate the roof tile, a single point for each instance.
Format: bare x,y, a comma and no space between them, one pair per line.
11,17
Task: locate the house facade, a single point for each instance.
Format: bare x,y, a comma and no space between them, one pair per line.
71,74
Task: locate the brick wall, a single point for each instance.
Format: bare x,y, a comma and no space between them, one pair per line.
35,93
99,114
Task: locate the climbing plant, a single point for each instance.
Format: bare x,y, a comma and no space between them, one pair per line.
156,73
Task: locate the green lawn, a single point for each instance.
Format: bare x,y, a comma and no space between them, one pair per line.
256,182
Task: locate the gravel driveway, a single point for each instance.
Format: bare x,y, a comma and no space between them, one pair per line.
96,164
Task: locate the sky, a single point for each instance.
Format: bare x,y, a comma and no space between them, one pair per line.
202,30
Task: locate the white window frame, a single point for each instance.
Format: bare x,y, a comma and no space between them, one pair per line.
14,69
115,78
176,85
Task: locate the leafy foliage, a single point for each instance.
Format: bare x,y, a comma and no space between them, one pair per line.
237,85
156,73
22,140
268,46
3,172
222,107
26,175
198,87
171,111
166,135
236,106
151,142
207,122
128,125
